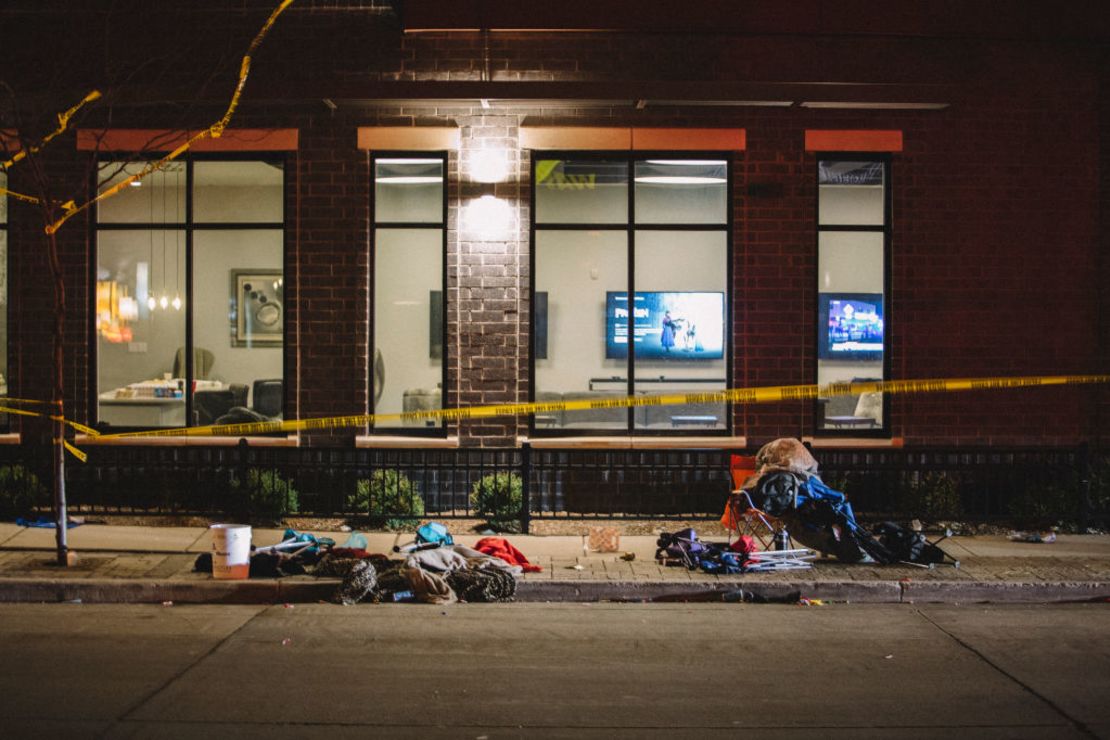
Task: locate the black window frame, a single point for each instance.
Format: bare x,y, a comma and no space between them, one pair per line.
189,227
438,431
884,430
6,419
630,227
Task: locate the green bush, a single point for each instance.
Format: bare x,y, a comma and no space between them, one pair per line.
389,498
271,495
933,496
1042,507
498,497
20,491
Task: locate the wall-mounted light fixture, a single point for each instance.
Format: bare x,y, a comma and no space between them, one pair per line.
487,218
489,165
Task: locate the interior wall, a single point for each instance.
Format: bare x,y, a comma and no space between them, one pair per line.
408,265
216,254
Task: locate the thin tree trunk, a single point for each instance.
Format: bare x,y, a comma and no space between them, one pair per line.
58,404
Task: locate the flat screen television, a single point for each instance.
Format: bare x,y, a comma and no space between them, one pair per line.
666,325
850,326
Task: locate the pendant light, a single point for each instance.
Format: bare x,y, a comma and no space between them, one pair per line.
151,303
163,301
177,240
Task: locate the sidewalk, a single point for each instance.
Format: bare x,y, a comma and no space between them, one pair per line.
154,564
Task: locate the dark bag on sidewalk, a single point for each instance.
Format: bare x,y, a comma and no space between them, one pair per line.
906,545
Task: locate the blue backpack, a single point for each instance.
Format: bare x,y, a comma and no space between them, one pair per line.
433,533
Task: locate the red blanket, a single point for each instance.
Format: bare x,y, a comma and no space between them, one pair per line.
499,547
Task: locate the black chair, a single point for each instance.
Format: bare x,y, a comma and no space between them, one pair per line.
266,404
267,397
211,405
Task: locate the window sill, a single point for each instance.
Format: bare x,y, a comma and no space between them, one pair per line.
10,439
852,442
636,443
371,441
86,440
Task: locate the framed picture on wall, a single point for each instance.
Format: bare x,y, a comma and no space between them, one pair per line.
257,308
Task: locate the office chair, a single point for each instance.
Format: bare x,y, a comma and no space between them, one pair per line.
211,405
266,397
266,404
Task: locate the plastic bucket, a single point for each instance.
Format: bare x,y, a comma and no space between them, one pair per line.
231,551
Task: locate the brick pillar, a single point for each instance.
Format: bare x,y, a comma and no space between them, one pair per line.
329,273
488,274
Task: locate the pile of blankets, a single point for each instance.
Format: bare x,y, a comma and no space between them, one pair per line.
430,573
440,575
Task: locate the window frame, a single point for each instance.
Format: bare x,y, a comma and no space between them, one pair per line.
440,430
631,227
884,430
6,419
189,226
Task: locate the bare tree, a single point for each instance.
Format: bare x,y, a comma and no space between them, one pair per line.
32,140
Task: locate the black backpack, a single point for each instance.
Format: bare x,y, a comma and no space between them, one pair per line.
908,546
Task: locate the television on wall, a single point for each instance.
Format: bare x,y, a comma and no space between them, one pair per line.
665,325
850,326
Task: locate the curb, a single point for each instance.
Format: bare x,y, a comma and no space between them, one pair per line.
277,591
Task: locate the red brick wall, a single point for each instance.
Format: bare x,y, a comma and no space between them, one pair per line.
996,260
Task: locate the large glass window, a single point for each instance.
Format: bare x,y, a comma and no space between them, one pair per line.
409,283
631,290
853,235
190,308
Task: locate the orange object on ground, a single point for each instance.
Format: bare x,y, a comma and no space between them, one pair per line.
499,547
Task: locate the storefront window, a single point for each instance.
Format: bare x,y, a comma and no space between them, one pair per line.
630,305
409,316
852,328
190,310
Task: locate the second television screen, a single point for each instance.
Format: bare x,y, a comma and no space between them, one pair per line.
666,325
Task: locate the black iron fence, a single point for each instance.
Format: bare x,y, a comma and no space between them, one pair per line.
383,487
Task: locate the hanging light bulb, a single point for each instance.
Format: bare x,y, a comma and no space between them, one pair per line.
163,301
177,302
151,302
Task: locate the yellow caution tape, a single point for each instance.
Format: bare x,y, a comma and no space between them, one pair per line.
769,394
214,131
75,452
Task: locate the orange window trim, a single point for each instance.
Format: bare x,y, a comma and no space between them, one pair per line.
149,140
416,138
633,139
853,141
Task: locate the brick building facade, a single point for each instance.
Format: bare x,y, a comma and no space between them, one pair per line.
998,231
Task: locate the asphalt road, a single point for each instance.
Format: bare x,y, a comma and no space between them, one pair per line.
555,671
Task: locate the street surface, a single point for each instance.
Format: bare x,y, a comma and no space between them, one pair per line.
555,671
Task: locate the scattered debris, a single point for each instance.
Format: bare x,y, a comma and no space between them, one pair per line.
167,603
1046,538
604,539
628,556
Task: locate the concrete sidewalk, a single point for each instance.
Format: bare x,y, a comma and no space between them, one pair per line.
154,564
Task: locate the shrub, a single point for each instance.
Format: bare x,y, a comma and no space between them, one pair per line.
934,496
20,491
271,495
389,498
498,497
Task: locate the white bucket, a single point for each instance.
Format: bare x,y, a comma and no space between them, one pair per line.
231,551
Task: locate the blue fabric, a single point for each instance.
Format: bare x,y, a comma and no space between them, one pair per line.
44,522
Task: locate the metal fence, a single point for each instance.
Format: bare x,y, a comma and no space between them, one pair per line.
517,485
